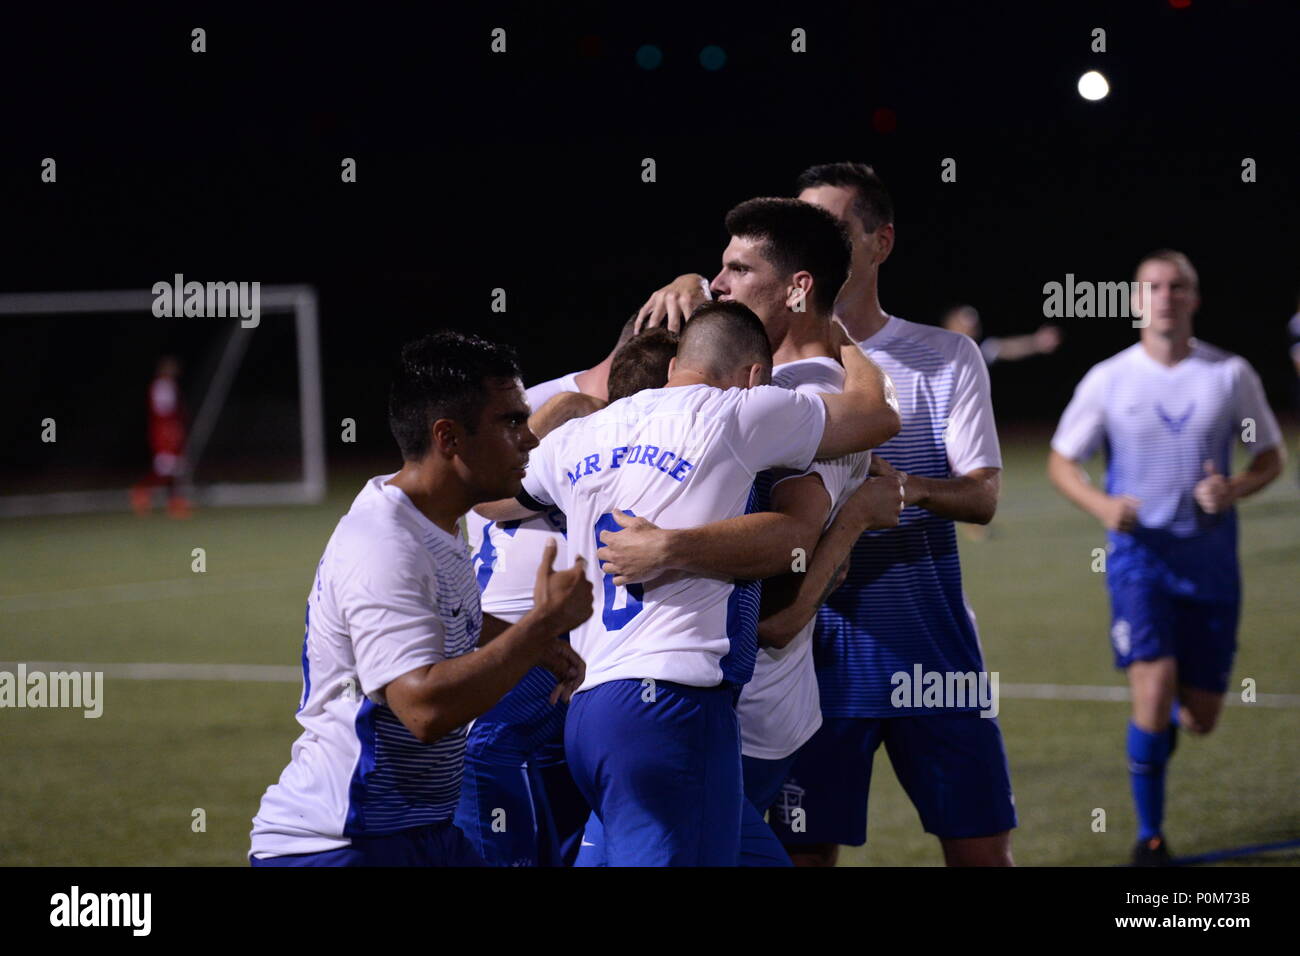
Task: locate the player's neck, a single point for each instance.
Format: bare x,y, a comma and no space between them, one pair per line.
435,491
1167,350
858,307
807,337
595,381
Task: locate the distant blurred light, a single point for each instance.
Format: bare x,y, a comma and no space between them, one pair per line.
883,120
1093,86
648,57
713,57
1180,4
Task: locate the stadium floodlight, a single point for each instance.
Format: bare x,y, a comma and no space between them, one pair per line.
228,451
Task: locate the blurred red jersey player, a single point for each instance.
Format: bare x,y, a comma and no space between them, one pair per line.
166,441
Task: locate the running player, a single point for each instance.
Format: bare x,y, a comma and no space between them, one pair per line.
1168,410
519,805
902,603
388,680
652,736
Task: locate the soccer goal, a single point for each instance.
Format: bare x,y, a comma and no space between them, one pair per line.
80,426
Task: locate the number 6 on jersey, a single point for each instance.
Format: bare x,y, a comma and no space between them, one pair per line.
621,603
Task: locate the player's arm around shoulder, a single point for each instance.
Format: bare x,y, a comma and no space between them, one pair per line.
790,602
433,700
865,414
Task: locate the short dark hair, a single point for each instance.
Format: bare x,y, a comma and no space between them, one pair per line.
722,336
873,204
798,236
443,375
642,363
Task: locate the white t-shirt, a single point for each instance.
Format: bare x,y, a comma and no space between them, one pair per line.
680,457
393,592
506,554
780,707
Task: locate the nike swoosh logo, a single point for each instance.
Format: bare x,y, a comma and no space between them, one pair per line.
585,843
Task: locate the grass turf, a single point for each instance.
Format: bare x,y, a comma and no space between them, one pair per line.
122,789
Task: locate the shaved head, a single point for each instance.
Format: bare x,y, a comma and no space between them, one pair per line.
722,338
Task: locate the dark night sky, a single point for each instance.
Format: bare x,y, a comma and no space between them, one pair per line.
523,170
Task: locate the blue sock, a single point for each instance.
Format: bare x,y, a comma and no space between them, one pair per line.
1147,756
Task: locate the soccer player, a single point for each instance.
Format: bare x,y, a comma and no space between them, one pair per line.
519,805
651,736
166,442
902,603
965,319
1168,410
388,680
786,260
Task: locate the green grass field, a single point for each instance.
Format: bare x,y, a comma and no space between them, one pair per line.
121,789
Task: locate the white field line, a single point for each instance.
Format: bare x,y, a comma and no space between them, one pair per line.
266,673
197,585
274,673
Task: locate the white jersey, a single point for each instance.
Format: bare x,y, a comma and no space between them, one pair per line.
780,707
506,553
393,592
680,457
1160,424
902,603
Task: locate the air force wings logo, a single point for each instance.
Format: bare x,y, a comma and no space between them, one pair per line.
1175,425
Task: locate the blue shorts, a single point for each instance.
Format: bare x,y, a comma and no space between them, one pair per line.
659,764
953,767
591,849
1150,622
438,844
759,846
523,815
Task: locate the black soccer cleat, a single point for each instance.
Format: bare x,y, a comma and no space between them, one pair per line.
1152,852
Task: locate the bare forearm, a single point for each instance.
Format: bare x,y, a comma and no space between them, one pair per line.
1072,482
455,691
1264,468
1014,347
493,627
781,622
560,409
506,509
749,547
972,498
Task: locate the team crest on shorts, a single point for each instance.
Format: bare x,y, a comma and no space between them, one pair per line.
1120,637
791,799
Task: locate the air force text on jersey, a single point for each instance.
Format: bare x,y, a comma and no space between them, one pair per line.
670,463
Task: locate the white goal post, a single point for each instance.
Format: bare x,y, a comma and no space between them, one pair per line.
299,302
